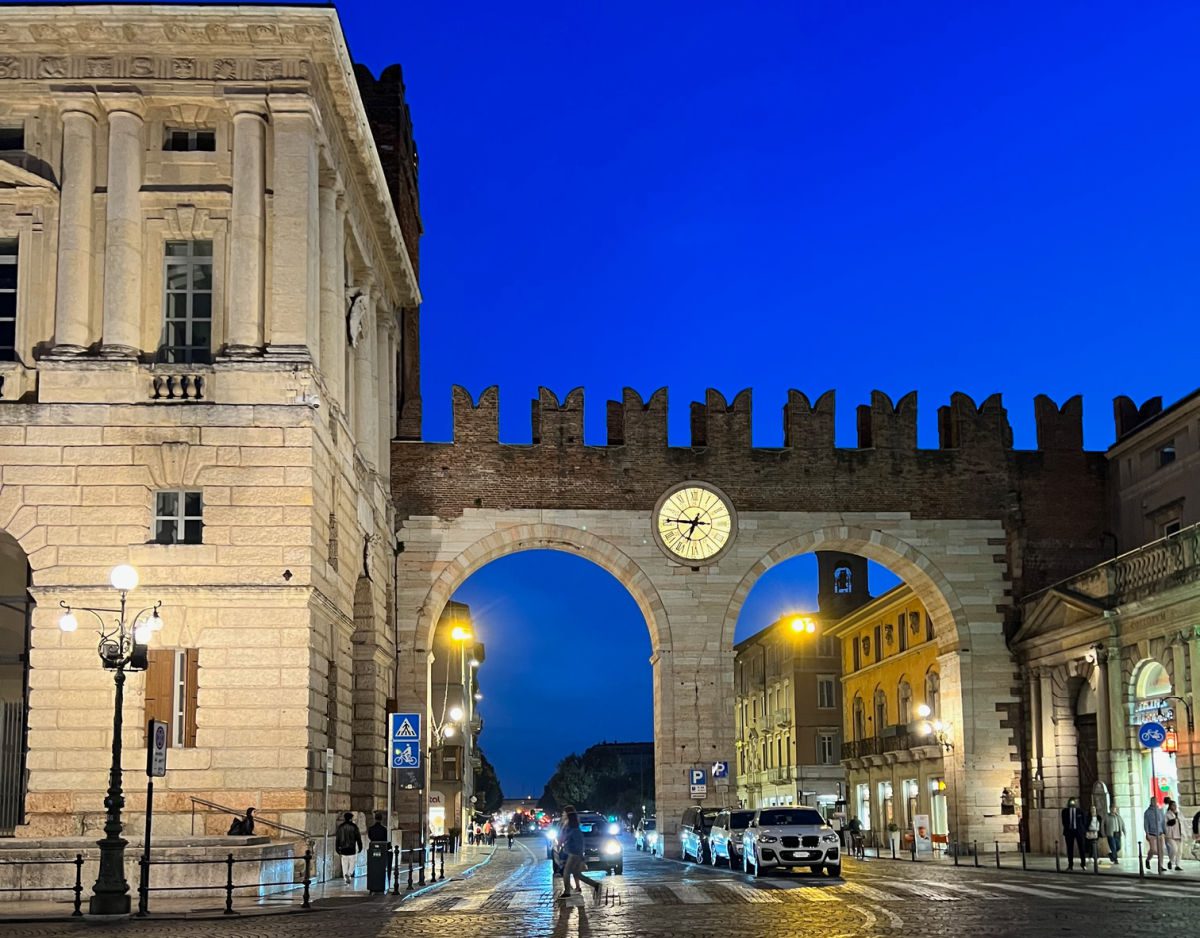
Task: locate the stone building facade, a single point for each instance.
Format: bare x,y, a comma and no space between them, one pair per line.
968,526
212,286
1117,645
789,702
894,770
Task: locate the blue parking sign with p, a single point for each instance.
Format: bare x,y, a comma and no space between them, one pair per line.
404,740
699,777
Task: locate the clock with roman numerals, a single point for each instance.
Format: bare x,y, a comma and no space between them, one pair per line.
694,523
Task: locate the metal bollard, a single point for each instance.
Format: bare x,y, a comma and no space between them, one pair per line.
1096,855
396,854
308,858
956,852
421,881
997,854
78,888
443,864
893,843
1141,864
1022,846
975,850
143,888
1057,848
913,849
229,885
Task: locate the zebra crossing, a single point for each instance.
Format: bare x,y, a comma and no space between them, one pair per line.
877,890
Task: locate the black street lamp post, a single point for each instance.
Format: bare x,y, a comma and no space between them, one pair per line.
122,648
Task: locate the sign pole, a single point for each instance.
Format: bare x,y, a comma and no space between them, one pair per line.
328,782
156,765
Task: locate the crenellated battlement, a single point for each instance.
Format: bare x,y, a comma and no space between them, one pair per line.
807,425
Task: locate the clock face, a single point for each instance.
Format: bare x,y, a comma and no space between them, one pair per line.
694,523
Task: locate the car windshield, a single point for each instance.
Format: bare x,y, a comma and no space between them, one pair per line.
593,823
739,819
790,817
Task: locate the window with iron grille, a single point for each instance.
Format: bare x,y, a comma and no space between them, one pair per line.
8,299
187,303
178,518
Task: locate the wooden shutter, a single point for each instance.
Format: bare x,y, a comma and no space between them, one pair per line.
160,685
190,687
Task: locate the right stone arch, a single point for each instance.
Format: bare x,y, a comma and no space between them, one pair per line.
964,591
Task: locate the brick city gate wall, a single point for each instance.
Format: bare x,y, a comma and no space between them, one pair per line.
955,522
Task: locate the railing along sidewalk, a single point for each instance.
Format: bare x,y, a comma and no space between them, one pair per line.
144,887
77,888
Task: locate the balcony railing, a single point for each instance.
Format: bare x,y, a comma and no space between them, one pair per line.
779,775
897,739
782,717
1152,568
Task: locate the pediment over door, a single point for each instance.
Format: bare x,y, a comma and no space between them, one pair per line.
1057,610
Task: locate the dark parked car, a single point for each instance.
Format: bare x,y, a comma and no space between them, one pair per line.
693,832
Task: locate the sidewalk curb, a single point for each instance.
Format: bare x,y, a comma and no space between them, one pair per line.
461,874
1117,873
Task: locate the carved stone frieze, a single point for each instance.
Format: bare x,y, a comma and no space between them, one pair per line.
178,68
192,29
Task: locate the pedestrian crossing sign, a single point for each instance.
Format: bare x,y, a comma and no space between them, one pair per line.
404,743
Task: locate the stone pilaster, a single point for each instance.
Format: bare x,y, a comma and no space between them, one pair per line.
366,409
333,289
384,396
72,312
121,332
244,336
295,234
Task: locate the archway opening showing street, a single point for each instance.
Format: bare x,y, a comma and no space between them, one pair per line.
15,610
839,701
540,694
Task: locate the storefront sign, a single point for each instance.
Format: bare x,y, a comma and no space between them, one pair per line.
1154,709
922,834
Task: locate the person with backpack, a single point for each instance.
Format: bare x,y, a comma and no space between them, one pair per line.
348,842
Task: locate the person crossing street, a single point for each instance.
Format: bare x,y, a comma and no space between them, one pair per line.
348,843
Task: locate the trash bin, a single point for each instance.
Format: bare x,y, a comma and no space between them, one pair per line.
378,852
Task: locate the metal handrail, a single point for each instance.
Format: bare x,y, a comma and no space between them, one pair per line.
310,838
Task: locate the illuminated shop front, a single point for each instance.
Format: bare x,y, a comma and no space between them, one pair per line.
1158,768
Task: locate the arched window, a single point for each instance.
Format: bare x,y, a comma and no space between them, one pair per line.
1153,681
860,721
842,580
933,694
880,710
904,698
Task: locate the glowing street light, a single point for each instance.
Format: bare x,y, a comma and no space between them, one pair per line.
459,634
804,625
122,648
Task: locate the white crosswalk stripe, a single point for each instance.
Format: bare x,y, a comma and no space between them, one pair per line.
878,890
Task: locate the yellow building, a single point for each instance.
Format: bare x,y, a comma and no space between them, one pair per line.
893,750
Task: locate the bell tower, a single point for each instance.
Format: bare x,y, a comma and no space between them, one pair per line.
842,580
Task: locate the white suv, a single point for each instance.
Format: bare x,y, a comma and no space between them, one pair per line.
778,838
725,837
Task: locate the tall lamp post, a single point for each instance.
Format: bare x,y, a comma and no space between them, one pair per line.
122,648
940,733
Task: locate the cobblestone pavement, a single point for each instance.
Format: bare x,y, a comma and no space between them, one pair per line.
512,897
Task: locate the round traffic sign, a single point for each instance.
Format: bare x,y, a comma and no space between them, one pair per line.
1152,735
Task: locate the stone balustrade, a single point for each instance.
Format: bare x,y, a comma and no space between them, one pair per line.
1168,562
178,386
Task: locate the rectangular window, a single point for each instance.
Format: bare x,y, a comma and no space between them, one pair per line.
172,679
12,138
826,699
1166,454
825,745
187,303
8,299
1171,527
190,140
878,642
826,646
857,654
178,518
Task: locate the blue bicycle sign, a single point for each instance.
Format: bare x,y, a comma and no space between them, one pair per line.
1152,735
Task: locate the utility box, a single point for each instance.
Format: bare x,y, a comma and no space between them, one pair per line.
378,852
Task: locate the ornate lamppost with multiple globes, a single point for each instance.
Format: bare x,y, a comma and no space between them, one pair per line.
122,648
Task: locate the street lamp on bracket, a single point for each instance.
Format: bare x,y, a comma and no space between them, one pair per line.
940,732
122,648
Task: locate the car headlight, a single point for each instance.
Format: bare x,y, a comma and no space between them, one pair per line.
830,839
614,829
652,837
767,839
552,835
611,848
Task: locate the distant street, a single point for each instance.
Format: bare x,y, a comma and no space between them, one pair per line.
512,897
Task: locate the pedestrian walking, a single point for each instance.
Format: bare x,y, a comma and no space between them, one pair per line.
510,836
347,840
1174,835
489,834
1074,826
573,863
1091,838
1114,830
1155,825
857,850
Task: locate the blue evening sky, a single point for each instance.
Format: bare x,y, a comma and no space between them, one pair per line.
939,196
